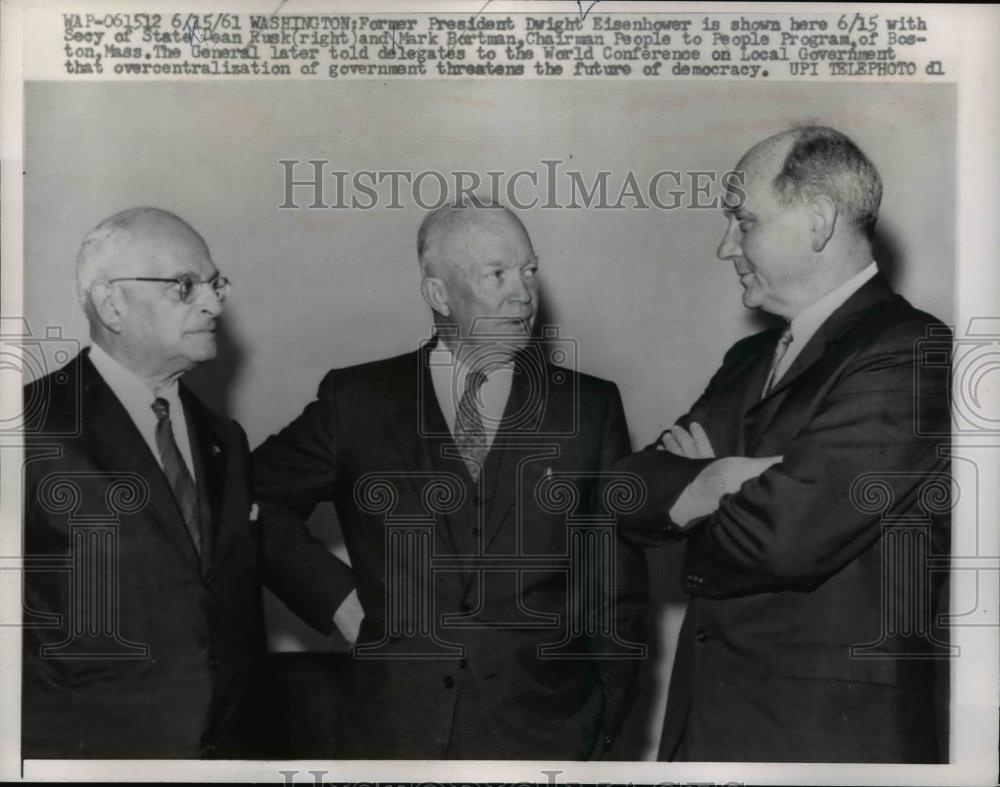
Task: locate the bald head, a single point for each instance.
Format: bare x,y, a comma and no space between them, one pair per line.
801,224
132,242
813,161
449,234
147,284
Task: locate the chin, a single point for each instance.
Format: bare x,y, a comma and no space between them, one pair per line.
751,299
204,351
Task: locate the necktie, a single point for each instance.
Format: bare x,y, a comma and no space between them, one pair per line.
176,471
470,434
779,353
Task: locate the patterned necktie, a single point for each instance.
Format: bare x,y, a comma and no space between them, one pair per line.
779,353
470,434
176,471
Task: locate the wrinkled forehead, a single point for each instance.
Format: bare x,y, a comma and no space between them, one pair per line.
161,246
753,175
482,238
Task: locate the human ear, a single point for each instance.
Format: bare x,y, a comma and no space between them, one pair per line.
822,221
106,305
436,295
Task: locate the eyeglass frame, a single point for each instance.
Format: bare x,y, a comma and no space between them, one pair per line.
220,284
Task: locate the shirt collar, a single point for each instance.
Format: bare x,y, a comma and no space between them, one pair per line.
808,321
442,356
126,385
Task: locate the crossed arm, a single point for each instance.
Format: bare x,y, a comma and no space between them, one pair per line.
793,523
722,477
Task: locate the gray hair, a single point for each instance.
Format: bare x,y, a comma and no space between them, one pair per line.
825,162
450,216
99,245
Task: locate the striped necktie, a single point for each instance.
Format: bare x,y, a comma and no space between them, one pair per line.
779,353
470,434
176,471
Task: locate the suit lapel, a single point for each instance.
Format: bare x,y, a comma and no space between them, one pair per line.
867,296
744,384
115,443
524,416
760,414
209,453
421,435
413,414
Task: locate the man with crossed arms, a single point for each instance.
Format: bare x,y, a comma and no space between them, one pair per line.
787,650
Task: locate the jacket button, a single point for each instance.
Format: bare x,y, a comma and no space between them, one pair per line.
213,663
700,635
475,531
448,682
463,664
206,581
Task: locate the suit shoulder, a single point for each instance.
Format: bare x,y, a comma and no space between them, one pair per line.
51,403
896,321
589,381
366,378
750,346
591,388
222,424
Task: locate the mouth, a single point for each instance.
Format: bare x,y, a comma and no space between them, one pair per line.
523,324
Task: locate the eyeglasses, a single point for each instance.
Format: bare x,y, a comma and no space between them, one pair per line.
187,285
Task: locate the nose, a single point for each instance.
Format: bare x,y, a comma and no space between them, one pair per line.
523,289
209,301
730,246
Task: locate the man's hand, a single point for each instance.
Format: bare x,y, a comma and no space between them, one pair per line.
723,476
348,617
694,444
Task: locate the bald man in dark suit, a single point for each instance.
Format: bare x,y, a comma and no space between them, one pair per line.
801,482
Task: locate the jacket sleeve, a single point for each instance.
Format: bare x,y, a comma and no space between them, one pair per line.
802,520
663,477
293,471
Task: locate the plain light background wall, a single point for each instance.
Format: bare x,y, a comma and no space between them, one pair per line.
641,291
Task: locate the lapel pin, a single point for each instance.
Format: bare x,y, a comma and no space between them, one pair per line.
254,512
216,450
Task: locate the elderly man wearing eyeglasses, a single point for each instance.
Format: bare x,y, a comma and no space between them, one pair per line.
144,553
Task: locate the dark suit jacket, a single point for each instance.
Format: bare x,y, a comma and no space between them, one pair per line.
449,663
795,569
145,649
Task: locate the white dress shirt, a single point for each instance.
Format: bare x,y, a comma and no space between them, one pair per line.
137,399
808,321
448,378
